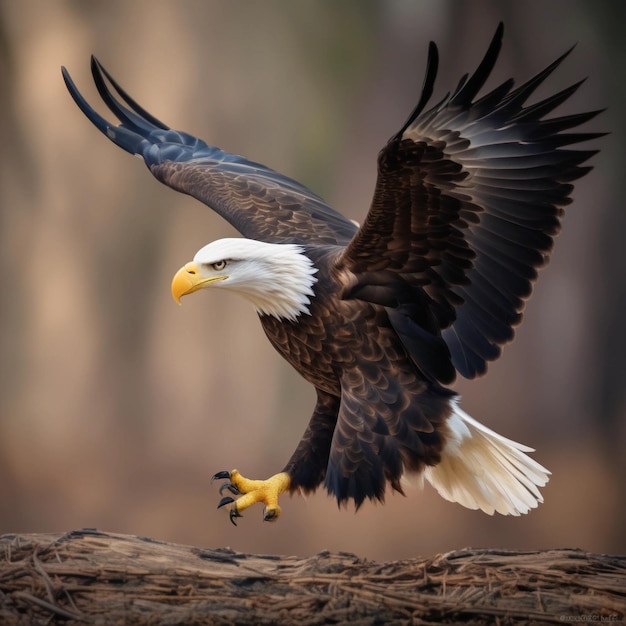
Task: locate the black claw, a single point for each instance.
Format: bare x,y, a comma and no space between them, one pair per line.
224,501
230,488
233,515
269,516
223,474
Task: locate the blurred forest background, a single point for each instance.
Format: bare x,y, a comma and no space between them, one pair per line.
116,405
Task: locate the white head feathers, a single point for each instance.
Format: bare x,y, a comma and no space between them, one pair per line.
277,279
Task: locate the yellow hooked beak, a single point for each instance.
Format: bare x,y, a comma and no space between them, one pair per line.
187,280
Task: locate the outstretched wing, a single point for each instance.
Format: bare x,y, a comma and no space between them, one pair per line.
469,197
259,202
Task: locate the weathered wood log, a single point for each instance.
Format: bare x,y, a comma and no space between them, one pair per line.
92,577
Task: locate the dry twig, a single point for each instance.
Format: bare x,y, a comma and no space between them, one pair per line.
100,578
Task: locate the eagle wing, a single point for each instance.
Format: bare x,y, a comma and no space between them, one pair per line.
469,198
259,202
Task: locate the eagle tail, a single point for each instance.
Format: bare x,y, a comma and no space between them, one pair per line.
481,469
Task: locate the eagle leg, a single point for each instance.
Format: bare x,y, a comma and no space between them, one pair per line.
251,492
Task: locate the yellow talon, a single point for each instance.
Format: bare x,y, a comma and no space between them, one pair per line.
253,491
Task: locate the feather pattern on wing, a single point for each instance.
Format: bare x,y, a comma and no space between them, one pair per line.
258,201
469,197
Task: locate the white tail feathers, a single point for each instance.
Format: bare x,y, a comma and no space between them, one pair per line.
483,470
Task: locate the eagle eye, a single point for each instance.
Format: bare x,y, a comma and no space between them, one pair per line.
218,265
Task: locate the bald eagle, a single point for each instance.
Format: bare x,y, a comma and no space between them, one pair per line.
380,318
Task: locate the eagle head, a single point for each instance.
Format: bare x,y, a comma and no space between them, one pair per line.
277,279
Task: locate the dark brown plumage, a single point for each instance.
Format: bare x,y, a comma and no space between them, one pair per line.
469,197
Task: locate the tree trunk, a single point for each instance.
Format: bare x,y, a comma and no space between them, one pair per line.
92,577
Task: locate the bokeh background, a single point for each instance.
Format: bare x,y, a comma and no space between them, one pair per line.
116,405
